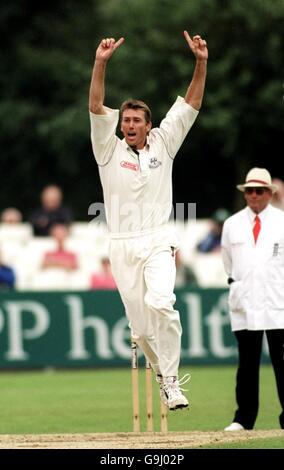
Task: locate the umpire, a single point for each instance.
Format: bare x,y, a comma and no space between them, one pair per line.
253,257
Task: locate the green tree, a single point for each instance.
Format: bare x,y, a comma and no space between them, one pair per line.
47,53
45,127
240,124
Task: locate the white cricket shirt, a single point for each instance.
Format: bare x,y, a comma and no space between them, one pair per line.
138,189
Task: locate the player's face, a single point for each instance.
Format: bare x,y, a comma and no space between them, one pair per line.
257,198
134,127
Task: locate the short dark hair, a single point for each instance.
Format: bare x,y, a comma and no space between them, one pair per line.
136,104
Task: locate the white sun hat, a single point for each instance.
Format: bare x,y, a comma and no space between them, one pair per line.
258,177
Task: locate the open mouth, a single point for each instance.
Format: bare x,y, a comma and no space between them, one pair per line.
131,135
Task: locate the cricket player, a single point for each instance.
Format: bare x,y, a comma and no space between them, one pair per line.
136,176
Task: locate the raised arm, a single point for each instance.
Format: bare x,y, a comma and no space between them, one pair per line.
97,89
195,91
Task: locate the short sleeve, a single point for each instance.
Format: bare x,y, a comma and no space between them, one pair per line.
103,129
177,123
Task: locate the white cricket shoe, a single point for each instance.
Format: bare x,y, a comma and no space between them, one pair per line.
173,392
234,427
163,396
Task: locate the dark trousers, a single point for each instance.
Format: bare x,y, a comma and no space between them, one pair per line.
247,381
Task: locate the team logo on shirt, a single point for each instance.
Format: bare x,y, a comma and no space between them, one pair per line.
154,163
129,165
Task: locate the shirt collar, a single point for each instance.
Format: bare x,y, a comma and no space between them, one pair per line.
147,145
262,215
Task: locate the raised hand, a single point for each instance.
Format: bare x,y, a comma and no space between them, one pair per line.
197,45
107,47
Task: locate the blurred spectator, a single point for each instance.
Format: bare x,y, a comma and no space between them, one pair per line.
11,215
184,274
278,197
212,241
103,279
51,211
7,276
60,257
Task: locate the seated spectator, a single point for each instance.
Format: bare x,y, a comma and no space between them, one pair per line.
103,279
60,257
51,211
11,215
184,274
278,197
7,277
212,241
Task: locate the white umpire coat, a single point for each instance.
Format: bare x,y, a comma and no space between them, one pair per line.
256,297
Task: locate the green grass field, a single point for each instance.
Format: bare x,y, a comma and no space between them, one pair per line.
100,400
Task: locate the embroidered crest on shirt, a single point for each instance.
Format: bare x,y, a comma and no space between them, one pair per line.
278,249
154,163
129,165
275,249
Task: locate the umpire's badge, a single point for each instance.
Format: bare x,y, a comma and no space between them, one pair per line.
154,163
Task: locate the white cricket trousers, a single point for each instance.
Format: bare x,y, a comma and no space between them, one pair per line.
144,270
